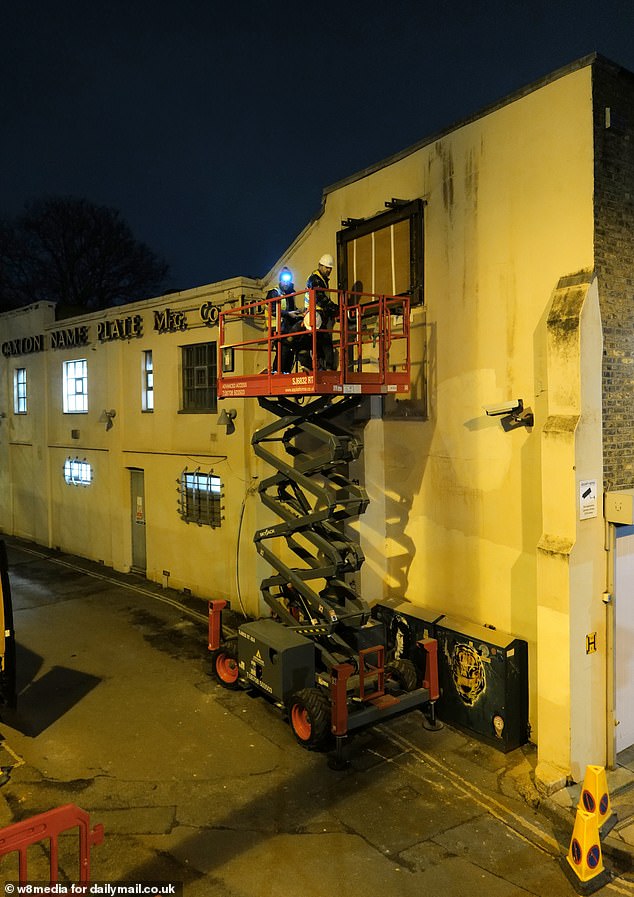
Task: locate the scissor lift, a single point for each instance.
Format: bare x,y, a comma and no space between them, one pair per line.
320,655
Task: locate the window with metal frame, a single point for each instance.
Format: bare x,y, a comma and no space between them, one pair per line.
76,386
200,498
147,389
77,473
384,254
200,372
19,391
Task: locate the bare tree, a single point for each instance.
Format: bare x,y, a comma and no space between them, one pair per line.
77,254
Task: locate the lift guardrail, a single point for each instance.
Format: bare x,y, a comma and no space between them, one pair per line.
370,338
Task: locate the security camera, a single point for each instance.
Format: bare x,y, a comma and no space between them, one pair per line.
504,408
513,414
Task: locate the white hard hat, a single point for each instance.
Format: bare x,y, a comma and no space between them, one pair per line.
327,261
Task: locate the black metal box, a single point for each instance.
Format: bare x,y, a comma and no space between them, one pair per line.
483,682
275,659
405,625
370,635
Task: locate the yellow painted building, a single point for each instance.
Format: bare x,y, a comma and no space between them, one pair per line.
502,229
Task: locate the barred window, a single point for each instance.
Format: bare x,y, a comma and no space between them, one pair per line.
19,391
75,386
200,372
77,473
200,496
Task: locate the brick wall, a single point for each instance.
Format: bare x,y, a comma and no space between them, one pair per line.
613,103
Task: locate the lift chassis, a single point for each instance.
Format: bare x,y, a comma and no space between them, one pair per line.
321,655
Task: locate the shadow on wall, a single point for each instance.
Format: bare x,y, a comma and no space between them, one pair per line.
407,442
403,478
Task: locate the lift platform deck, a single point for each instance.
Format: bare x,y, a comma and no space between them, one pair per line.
370,339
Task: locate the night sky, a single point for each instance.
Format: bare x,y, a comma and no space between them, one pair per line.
215,129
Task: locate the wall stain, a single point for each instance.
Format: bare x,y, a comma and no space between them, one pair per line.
447,176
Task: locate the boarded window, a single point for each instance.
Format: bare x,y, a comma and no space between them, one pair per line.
384,254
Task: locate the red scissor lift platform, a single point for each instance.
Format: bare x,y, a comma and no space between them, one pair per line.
321,654
370,338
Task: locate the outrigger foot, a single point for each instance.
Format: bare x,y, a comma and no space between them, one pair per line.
429,719
336,759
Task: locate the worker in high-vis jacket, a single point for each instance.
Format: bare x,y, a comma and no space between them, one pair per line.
326,312
290,320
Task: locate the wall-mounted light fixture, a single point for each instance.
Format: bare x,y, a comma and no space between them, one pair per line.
227,359
226,419
513,414
107,417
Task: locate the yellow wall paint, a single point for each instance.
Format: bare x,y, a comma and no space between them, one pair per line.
458,507
458,503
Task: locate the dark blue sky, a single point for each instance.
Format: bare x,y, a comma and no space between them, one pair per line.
214,130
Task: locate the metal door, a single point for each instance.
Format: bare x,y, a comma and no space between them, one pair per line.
137,494
624,637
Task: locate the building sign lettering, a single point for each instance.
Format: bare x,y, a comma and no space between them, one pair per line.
209,314
168,321
23,345
72,336
120,328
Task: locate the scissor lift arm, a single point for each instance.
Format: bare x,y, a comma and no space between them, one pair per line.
313,496
321,655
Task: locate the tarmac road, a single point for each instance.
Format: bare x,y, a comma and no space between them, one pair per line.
117,713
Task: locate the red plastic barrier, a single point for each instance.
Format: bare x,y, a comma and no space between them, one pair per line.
17,838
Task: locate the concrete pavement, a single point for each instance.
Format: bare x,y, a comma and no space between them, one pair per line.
196,784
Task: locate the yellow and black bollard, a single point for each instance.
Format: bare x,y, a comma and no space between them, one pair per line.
584,863
595,799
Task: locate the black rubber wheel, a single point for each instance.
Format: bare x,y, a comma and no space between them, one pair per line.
225,664
309,714
403,672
